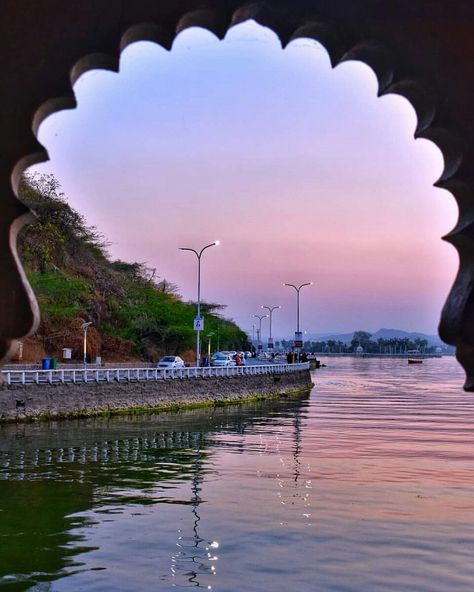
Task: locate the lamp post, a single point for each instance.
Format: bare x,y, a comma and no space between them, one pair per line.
84,327
270,310
198,322
209,337
298,336
259,330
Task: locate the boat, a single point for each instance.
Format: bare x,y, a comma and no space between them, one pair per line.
415,361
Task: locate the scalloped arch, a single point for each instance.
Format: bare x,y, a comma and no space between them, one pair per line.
289,22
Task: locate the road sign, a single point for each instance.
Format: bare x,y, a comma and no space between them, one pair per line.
198,324
298,339
270,343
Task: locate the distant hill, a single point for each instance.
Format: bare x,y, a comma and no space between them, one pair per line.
380,334
398,334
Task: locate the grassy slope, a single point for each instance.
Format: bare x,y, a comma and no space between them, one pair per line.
74,280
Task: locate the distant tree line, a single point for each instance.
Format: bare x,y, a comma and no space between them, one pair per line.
393,345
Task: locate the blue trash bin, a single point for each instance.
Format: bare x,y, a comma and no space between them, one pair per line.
46,363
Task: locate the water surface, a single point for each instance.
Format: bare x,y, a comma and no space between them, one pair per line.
365,484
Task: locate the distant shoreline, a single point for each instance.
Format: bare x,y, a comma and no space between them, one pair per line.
376,355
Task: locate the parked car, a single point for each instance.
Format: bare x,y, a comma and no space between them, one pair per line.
171,362
221,359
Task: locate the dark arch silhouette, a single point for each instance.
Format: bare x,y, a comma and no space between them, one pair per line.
420,49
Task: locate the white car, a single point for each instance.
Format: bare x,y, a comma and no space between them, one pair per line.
221,359
171,362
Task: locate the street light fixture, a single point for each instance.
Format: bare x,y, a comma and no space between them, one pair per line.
198,321
84,327
209,337
298,335
270,309
259,330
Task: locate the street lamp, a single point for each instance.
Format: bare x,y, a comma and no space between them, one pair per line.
209,337
270,309
298,336
84,327
198,321
259,330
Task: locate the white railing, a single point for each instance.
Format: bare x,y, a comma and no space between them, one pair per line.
76,375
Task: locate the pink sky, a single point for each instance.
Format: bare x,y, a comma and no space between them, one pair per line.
300,171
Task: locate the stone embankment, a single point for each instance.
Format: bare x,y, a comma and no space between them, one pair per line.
45,401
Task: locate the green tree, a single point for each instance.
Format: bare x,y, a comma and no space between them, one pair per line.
361,338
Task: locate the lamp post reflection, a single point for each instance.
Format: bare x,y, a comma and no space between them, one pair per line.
196,557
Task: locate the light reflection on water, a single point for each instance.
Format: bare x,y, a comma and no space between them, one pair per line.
368,484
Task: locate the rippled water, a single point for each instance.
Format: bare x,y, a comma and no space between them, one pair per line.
366,484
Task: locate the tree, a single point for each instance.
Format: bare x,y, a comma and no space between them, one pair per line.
361,338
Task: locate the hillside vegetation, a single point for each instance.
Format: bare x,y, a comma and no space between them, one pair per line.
133,315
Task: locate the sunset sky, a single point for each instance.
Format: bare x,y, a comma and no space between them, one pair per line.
300,171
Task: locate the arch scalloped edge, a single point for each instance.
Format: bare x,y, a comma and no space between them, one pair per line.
420,97
23,164
464,196
452,148
267,16
8,342
94,61
377,57
147,31
465,356
371,52
325,34
450,325
206,18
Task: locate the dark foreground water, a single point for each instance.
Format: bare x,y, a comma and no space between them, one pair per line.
365,485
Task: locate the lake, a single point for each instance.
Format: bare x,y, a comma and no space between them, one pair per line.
364,484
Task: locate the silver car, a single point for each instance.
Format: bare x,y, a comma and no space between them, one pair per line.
171,362
221,359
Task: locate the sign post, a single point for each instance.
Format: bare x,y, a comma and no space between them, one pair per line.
198,327
199,324
298,339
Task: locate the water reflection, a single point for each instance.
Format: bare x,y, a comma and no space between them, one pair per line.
195,557
368,484
60,480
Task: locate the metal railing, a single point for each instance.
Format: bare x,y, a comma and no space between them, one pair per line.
82,375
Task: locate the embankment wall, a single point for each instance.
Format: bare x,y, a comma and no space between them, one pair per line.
44,401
